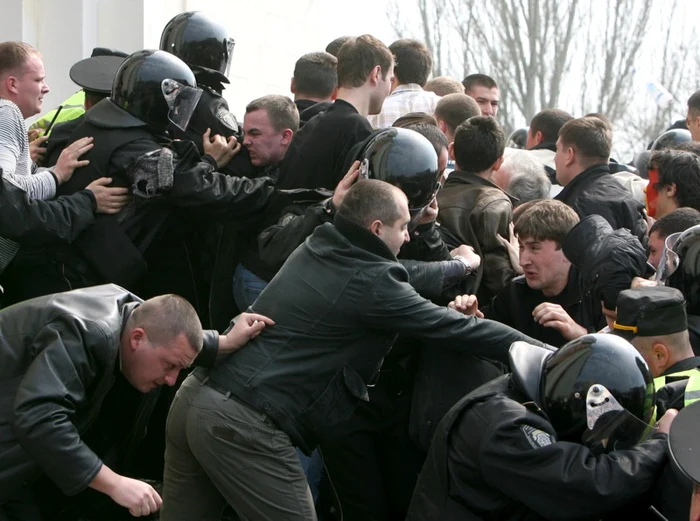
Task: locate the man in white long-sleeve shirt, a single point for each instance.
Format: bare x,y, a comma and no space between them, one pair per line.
22,90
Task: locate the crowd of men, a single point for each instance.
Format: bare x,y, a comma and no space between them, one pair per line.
432,320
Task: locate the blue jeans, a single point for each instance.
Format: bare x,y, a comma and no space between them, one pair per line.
246,287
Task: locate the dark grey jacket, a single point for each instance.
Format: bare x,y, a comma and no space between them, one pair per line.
59,355
338,304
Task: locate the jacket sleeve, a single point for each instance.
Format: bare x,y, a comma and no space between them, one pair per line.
562,480
210,348
394,305
426,244
37,222
277,242
487,225
53,388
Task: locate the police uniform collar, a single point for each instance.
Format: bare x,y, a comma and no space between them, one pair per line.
527,363
684,365
107,114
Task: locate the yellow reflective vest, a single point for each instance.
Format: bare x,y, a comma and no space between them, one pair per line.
73,107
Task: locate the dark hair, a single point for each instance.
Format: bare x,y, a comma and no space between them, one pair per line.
602,117
694,101
93,98
679,220
432,134
166,317
549,122
316,74
281,111
414,63
444,85
547,220
370,200
479,80
358,56
689,146
479,143
334,47
13,56
455,109
683,170
414,118
590,137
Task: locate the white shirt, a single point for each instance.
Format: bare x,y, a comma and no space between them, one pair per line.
405,99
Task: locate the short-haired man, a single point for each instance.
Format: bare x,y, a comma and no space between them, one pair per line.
61,354
679,220
337,303
522,176
674,182
414,64
484,90
542,137
452,110
545,302
334,46
316,156
444,85
314,84
269,124
475,209
692,119
582,157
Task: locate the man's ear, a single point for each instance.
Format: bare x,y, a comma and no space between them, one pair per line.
538,137
661,354
287,135
569,156
375,75
11,84
498,163
442,126
136,335
376,227
334,95
451,150
671,190
293,86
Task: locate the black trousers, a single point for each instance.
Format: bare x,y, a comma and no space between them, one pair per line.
374,467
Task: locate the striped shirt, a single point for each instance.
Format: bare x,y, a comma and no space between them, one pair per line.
17,167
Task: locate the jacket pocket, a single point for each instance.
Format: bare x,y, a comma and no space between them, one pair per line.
327,415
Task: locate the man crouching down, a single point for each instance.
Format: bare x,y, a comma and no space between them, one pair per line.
338,303
59,356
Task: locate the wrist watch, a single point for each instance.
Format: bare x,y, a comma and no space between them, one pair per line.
467,264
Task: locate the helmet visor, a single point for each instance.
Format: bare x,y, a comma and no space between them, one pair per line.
182,101
610,426
669,259
230,44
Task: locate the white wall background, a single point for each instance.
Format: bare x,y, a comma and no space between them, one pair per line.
270,34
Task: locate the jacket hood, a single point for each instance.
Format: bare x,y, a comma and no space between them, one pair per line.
607,259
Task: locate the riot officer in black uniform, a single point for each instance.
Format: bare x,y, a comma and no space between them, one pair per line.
207,48
151,90
556,439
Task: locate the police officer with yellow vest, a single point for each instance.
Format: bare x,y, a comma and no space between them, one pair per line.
654,320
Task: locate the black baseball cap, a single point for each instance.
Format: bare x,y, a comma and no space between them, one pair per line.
650,311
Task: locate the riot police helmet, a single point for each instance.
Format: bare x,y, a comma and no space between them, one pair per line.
596,390
518,138
157,88
406,159
671,138
200,42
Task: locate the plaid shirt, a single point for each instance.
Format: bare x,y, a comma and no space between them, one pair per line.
405,99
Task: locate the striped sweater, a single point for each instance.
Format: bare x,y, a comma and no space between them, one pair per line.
17,167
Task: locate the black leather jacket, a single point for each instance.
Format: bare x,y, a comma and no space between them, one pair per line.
338,304
595,191
36,222
59,357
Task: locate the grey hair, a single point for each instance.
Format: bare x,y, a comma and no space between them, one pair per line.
528,179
